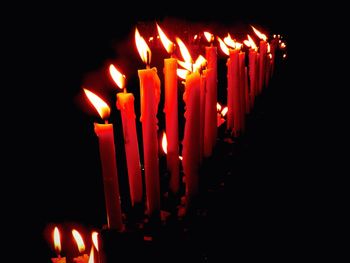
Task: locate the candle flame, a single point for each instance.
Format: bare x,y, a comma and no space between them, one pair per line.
218,106
101,106
283,45
259,34
57,240
184,51
223,46
247,43
224,111
268,48
91,256
94,237
168,45
78,240
252,43
209,36
200,62
164,143
229,41
238,45
142,48
185,65
182,73
118,77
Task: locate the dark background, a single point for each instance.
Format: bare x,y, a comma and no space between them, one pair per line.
57,174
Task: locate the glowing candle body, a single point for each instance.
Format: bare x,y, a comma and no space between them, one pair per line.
268,69
253,76
58,260
191,143
233,94
241,90
202,120
246,89
81,259
125,103
262,64
150,95
171,122
105,135
210,129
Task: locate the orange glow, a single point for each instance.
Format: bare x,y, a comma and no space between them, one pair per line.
246,42
283,45
224,111
252,43
229,41
185,65
94,237
223,47
200,62
238,45
164,143
118,77
182,73
142,48
168,45
259,34
195,37
218,106
284,55
268,48
184,51
91,256
78,240
57,240
209,36
150,39
101,106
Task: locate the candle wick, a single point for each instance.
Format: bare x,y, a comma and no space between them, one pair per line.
124,89
106,121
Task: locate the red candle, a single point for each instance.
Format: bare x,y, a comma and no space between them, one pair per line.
150,95
105,136
125,103
83,258
262,58
57,245
246,89
233,78
210,129
202,120
171,113
252,64
241,90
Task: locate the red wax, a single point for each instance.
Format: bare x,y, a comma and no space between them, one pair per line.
253,76
58,260
210,129
246,89
171,122
241,91
262,64
191,143
202,120
233,92
105,135
125,103
150,95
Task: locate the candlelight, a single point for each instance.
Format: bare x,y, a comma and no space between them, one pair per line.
184,51
182,73
94,236
200,62
57,241
91,257
101,106
252,43
223,46
164,143
224,111
142,48
209,36
268,48
229,41
218,106
78,240
118,77
185,65
259,34
168,45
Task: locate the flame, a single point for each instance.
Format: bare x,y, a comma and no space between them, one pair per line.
268,48
168,45
185,65
259,34
284,55
238,45
223,47
218,106
200,62
184,51
209,36
57,240
98,103
195,37
91,256
118,77
78,240
150,39
182,73
95,239
164,143
252,43
247,43
142,48
229,41
283,45
224,111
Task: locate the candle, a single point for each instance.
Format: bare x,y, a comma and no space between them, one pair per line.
246,89
241,91
171,113
191,140
252,64
210,129
83,258
105,135
150,95
57,245
262,57
95,251
125,103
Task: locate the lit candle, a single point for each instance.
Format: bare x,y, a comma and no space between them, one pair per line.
252,64
95,251
191,140
105,135
242,99
57,245
202,119
262,57
125,103
150,95
246,89
83,258
210,129
171,113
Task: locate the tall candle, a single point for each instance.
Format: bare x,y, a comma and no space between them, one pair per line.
235,91
246,89
105,136
252,75
210,129
171,113
57,245
242,99
262,58
125,103
202,120
150,95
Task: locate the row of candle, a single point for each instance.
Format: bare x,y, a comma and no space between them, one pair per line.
244,83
